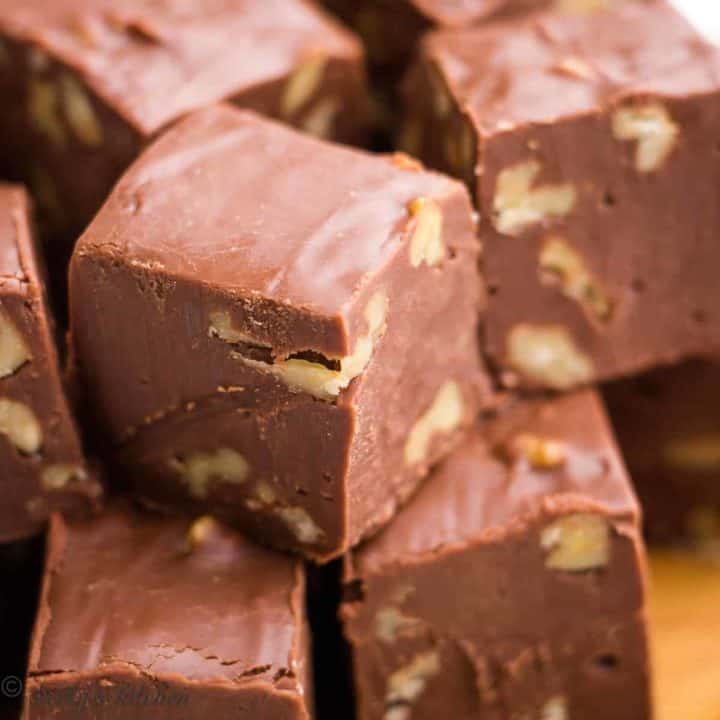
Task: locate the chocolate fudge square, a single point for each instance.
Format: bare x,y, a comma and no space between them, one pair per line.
275,326
591,143
513,585
86,84
668,427
42,465
391,28
147,618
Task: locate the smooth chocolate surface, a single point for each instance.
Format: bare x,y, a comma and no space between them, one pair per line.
513,585
668,427
264,299
143,617
42,465
85,84
576,132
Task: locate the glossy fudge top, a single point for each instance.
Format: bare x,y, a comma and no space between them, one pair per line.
167,596
12,210
536,456
154,60
554,65
250,208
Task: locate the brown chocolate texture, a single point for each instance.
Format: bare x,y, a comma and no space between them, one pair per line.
576,132
668,427
264,301
144,617
513,584
391,28
42,466
85,84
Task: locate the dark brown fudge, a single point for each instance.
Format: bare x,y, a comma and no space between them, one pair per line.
668,426
251,312
591,142
513,585
42,466
147,618
85,84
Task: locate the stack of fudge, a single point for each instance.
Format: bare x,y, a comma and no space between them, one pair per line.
326,437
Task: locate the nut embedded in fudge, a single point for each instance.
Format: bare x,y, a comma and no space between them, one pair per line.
279,330
668,428
591,143
43,466
85,84
513,584
143,617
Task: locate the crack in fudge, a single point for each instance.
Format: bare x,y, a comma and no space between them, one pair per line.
251,312
591,143
86,84
513,584
43,467
143,617
668,427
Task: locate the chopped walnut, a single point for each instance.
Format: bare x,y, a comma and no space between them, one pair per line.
444,416
19,424
303,83
320,119
555,709
575,543
560,263
547,354
652,128
407,684
62,476
518,205
541,453
44,111
390,624
201,531
13,350
200,469
301,524
79,113
426,242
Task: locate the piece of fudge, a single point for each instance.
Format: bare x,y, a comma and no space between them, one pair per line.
577,132
143,617
668,426
279,330
513,585
391,28
42,466
86,84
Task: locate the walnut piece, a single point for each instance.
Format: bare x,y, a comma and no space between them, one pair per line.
562,264
320,119
44,111
444,416
301,524
312,377
406,162
652,128
390,624
541,453
201,531
200,469
695,453
576,543
79,113
408,683
555,709
221,327
13,351
547,354
517,205
426,242
303,83
63,475
19,424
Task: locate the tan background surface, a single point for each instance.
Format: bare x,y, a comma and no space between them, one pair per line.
685,615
